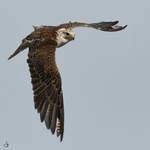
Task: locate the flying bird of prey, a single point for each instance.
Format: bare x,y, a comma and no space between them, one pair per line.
46,79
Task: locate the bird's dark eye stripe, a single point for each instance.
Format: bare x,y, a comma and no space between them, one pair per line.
67,33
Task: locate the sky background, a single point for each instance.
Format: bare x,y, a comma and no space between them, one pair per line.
106,76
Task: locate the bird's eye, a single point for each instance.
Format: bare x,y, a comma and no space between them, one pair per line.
67,33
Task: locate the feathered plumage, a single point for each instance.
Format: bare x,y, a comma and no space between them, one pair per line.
45,77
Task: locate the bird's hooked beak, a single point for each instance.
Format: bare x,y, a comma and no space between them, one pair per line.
72,36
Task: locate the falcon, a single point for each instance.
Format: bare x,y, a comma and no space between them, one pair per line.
45,76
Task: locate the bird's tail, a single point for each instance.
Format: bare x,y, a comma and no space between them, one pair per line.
23,46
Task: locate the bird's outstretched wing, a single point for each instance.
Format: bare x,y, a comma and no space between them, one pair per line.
37,38
46,81
104,26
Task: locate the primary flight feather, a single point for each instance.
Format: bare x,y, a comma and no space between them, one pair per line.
45,76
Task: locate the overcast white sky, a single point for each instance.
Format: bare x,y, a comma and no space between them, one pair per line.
106,76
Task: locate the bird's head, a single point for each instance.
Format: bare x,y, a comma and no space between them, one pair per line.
64,36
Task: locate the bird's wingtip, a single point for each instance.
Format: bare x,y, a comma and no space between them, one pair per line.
116,22
10,57
125,26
